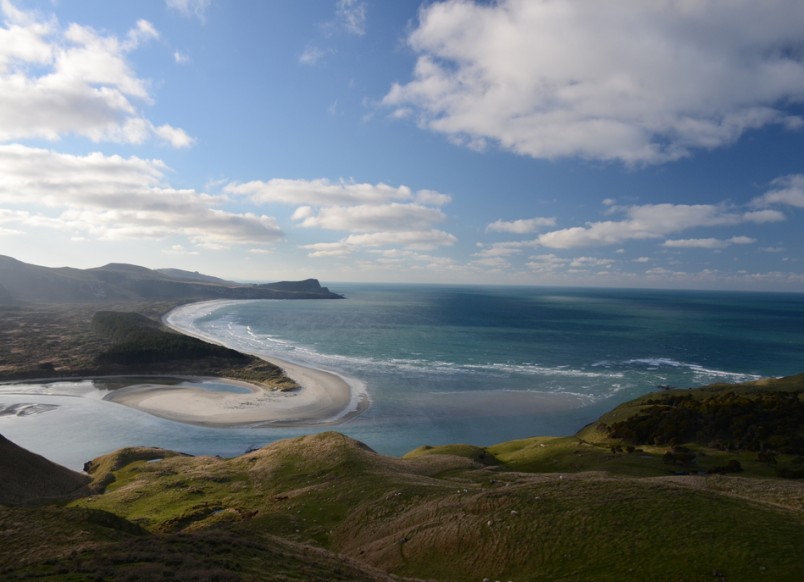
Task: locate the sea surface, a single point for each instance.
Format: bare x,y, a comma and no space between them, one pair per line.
445,364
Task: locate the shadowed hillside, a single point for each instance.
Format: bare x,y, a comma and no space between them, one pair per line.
24,283
327,507
25,476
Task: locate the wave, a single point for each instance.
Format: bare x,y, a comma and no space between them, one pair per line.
593,381
696,369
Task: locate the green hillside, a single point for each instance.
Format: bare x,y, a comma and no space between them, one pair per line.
326,507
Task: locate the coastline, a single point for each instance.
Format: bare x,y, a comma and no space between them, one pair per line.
325,398
322,400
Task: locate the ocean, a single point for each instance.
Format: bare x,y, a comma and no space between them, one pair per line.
446,364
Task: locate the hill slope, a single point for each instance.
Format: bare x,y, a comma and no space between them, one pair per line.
327,507
448,517
25,476
25,283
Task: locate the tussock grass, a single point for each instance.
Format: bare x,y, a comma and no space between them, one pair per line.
449,517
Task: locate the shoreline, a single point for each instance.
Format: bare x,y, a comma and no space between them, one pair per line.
318,403
325,398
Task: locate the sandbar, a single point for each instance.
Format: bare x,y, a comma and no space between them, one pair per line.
324,398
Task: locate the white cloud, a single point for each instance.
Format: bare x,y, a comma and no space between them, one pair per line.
352,16
695,243
432,198
640,82
587,262
412,239
312,55
547,263
500,250
82,83
179,250
373,214
319,192
649,221
522,226
190,8
374,217
493,263
708,243
788,190
111,198
329,249
180,58
763,216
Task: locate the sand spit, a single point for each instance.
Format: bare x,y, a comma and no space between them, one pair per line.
325,398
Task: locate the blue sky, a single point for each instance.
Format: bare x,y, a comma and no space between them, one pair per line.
622,143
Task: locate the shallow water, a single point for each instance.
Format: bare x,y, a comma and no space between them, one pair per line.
444,364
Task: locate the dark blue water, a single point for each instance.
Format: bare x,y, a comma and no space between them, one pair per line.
444,364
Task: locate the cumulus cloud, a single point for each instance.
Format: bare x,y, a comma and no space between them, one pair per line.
111,197
639,82
522,226
56,81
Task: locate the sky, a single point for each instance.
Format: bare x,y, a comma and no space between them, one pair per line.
617,143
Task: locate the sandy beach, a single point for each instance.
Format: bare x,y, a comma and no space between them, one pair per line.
324,398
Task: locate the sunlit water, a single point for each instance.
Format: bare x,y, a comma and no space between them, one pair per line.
446,364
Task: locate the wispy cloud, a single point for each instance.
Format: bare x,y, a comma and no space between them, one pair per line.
312,55
638,82
786,191
190,8
522,226
373,214
180,58
351,14
707,243
650,221
111,198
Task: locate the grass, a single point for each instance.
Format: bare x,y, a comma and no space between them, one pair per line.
448,517
326,507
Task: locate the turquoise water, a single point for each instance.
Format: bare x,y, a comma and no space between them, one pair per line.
444,364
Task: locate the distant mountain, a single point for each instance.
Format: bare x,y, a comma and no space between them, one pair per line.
193,276
25,476
25,283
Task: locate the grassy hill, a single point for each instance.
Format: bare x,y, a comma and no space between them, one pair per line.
327,507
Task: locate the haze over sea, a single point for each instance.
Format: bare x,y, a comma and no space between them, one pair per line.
448,364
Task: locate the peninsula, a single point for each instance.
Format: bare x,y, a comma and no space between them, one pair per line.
72,323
